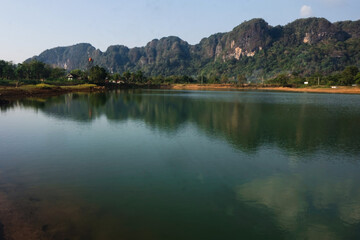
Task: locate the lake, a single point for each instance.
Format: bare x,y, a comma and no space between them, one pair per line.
161,164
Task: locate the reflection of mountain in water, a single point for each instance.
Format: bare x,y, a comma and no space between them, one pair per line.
308,191
247,120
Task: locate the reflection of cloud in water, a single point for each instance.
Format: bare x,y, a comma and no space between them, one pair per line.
319,232
344,195
285,196
291,198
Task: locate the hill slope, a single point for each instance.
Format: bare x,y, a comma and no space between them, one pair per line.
254,48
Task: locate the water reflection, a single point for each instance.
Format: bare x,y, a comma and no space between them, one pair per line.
312,208
232,165
296,122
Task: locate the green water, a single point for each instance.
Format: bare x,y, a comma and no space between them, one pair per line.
185,164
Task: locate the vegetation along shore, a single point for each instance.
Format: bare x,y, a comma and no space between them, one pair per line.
307,55
39,79
8,93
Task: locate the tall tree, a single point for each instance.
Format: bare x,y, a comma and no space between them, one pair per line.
348,75
97,74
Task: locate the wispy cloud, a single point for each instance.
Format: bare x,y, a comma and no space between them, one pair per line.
306,11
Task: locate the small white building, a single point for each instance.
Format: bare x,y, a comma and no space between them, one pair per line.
70,77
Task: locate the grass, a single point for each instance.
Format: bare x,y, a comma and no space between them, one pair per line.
86,85
44,85
49,86
43,89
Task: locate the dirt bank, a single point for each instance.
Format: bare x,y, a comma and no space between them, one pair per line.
12,93
346,90
8,94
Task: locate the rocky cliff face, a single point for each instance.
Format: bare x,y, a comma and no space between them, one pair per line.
313,30
68,57
246,40
171,55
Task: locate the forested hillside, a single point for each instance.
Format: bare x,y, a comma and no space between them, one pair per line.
254,49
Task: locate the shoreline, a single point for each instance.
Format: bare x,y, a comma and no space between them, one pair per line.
339,90
8,93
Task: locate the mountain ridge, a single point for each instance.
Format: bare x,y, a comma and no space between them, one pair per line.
253,48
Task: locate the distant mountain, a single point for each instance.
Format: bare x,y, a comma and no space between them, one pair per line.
254,49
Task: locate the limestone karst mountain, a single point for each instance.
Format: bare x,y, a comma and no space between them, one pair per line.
253,48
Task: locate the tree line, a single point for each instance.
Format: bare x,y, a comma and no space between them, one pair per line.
349,76
29,72
35,71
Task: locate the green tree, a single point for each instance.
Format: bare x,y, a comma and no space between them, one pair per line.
38,70
57,73
21,72
241,79
224,78
127,76
348,75
78,73
282,79
158,79
214,79
7,70
357,78
116,76
97,74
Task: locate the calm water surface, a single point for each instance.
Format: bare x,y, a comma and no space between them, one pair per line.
156,164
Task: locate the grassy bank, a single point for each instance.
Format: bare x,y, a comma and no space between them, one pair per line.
10,93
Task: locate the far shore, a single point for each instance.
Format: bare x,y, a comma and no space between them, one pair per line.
9,93
321,89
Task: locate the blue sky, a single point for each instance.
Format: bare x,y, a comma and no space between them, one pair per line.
30,27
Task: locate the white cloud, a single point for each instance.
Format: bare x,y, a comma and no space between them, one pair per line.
305,11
